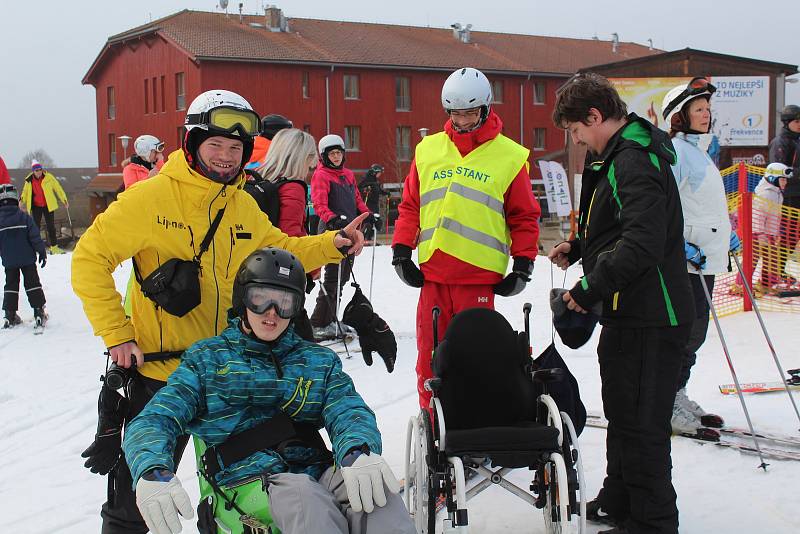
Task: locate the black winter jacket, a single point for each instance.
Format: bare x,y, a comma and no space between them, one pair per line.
19,238
630,232
785,148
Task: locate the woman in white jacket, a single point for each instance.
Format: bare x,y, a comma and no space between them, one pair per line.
707,228
767,202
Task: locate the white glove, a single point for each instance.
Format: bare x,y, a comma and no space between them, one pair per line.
364,481
160,502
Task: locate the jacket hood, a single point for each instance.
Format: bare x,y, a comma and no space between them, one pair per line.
332,173
641,134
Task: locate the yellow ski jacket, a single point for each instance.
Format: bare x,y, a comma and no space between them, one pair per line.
53,192
167,217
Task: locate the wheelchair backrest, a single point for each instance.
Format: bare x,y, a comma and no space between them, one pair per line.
482,363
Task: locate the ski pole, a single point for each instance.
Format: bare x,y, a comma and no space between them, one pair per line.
746,284
336,318
372,266
730,366
69,218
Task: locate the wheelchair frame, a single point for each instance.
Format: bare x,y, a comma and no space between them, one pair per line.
432,476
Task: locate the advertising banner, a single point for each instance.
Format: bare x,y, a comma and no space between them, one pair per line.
739,107
556,188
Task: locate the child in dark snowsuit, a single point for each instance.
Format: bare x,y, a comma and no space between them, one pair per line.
20,243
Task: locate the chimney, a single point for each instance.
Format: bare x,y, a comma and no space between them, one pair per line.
276,22
461,33
649,44
614,42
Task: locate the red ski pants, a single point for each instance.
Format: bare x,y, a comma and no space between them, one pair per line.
450,299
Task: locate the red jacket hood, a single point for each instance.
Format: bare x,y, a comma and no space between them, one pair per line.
466,142
333,173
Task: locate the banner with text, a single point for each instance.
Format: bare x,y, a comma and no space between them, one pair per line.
556,188
739,107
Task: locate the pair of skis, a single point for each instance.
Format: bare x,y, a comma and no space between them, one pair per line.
792,382
779,446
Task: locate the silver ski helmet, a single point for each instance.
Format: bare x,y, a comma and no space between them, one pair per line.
328,143
467,88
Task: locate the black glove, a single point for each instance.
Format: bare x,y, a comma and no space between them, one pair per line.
42,259
104,453
336,223
408,272
515,281
310,284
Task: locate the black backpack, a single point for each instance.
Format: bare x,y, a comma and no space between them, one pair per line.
266,195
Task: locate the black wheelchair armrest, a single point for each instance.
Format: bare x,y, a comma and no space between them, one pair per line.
547,376
433,385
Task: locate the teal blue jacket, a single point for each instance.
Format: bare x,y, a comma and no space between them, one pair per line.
231,383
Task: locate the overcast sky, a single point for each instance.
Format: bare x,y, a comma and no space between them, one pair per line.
46,46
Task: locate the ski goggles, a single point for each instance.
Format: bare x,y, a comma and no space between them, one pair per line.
696,87
258,299
227,119
159,147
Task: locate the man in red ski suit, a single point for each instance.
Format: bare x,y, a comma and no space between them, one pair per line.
468,210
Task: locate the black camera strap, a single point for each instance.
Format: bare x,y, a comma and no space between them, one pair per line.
203,245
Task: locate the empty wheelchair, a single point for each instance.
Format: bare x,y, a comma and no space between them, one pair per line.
490,414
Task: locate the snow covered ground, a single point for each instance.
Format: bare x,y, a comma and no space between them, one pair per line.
49,384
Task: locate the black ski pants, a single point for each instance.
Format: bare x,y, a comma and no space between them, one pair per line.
639,373
697,335
325,309
33,288
49,218
120,513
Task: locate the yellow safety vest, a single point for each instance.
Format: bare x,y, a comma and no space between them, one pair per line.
461,199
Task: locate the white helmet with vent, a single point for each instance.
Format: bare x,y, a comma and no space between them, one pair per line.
466,88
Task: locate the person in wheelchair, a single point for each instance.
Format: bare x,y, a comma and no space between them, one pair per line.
256,396
489,409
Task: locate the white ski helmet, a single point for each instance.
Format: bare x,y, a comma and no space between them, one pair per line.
145,143
8,193
679,96
223,113
328,143
775,171
466,88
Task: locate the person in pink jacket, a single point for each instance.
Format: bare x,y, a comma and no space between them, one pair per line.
146,162
337,202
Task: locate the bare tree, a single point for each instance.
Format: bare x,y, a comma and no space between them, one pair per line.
40,155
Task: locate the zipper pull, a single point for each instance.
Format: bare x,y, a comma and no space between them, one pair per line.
223,193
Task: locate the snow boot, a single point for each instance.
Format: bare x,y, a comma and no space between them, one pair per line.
595,514
685,423
706,419
40,316
11,319
55,249
329,331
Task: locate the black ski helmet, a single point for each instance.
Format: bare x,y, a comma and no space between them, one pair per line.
274,123
790,113
271,267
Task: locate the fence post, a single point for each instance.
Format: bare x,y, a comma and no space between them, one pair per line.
746,231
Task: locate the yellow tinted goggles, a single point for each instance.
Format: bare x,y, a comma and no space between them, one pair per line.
228,119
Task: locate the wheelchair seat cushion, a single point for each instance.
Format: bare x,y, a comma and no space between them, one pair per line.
482,365
521,445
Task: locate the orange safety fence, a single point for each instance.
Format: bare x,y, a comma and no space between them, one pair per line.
769,234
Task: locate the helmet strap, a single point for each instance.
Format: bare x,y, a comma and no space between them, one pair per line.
481,121
214,176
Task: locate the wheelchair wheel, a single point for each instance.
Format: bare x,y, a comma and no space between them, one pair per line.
573,460
556,487
422,496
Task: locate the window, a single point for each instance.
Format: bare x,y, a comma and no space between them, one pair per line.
146,96
155,95
180,137
163,94
112,104
539,93
539,138
497,92
402,93
351,87
306,86
403,142
352,138
180,92
112,150
307,128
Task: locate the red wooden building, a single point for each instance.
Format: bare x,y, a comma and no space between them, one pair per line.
376,85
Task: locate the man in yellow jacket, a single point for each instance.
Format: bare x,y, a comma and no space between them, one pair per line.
166,217
40,196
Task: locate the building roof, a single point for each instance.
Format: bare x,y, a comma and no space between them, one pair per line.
686,53
105,183
73,179
205,36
